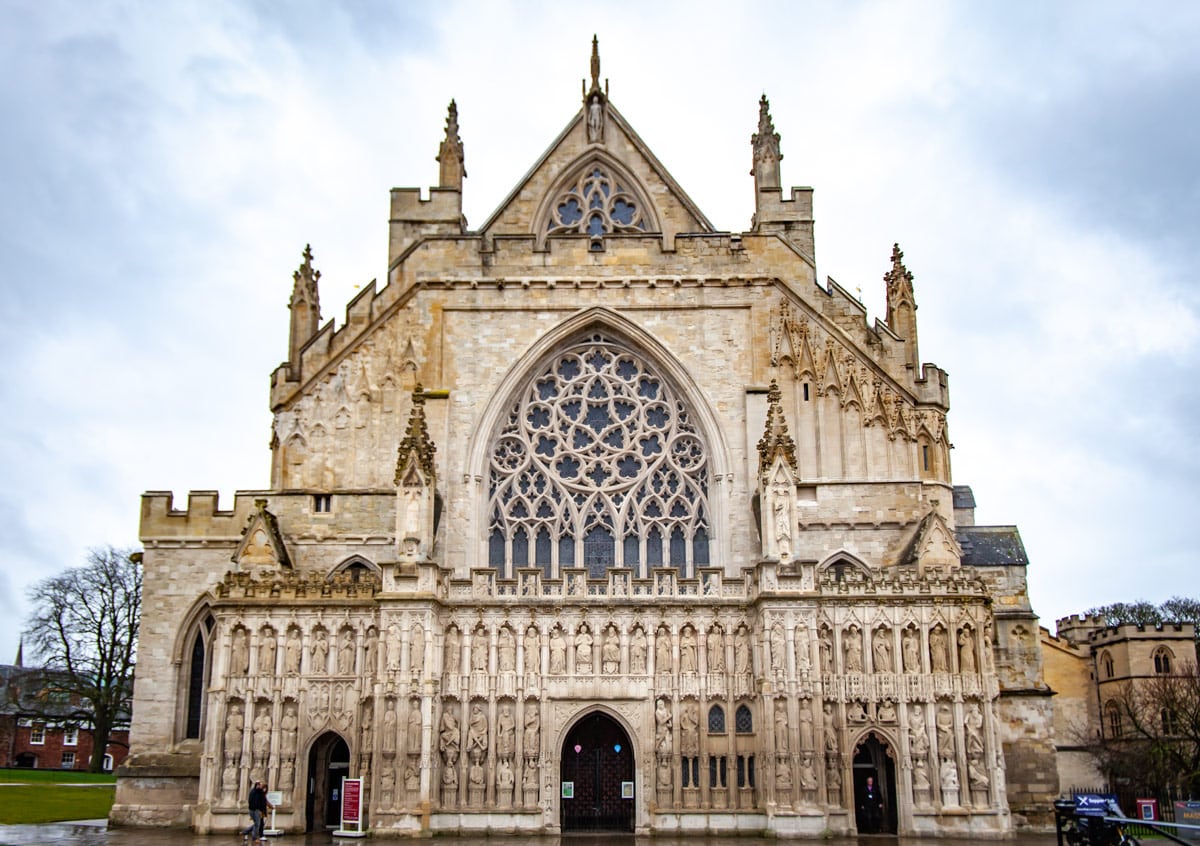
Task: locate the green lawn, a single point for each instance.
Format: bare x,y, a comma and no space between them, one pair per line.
37,796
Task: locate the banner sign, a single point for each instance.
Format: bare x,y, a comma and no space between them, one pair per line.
351,802
1094,804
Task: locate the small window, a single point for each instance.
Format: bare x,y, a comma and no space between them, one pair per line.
743,720
71,736
716,720
718,771
745,771
37,734
1162,662
68,761
806,392
1169,723
925,458
1107,662
1114,720
322,503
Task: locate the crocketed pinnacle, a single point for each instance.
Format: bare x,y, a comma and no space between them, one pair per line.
416,439
775,440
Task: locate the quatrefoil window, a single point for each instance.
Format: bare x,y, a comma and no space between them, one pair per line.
596,204
598,464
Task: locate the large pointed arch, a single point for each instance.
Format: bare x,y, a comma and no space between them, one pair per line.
192,656
616,331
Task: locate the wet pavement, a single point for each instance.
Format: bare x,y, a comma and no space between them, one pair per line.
96,833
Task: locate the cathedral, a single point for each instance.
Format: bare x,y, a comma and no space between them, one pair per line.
595,518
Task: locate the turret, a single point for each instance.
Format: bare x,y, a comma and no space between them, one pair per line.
790,218
902,309
305,306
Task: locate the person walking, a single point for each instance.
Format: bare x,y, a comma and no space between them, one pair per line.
258,805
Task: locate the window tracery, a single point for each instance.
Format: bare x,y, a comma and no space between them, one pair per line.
596,203
596,465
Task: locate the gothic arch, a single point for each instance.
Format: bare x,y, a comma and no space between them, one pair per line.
620,331
846,558
586,711
622,184
192,656
352,563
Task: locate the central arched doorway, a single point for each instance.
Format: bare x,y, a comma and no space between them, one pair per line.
874,804
597,773
328,764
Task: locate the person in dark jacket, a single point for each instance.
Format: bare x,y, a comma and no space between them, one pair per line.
258,805
871,807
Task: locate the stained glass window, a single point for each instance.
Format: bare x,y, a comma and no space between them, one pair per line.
596,204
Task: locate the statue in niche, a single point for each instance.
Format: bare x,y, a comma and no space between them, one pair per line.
262,734
504,781
289,725
887,712
529,781
393,648
800,640
412,779
533,652
583,650
287,776
291,653
610,652
966,650
975,772
974,730
229,778
714,650
387,785
663,665
412,513
808,774
389,727
938,656
945,731
662,728
475,774
345,659
416,653
506,732
687,651
778,650
372,651
453,655
558,652
368,720
853,649
413,733
741,651
506,651
532,735
233,732
479,652
320,652
664,772
449,737
595,118
449,781
881,650
781,726
950,780
985,647
689,730
637,652
826,646
909,643
855,712
239,658
831,738
918,737
921,783
806,725
783,525
833,779
783,776
477,733
266,652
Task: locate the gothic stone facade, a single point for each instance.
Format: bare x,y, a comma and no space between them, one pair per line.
595,479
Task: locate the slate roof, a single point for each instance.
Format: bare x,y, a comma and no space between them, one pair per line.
991,546
964,497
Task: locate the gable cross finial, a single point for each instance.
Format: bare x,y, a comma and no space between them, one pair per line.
594,100
765,144
450,153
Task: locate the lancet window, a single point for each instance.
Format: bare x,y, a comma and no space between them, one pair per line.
596,203
598,464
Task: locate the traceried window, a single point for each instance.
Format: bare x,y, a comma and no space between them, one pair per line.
598,464
596,204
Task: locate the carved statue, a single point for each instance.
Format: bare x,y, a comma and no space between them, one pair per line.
262,734
945,731
387,786
912,651
974,730
920,775
663,665
918,738
855,712
714,650
583,650
479,651
289,724
506,732
741,651
368,720
831,738
806,725
412,779
687,651
320,652
778,649
345,660
449,738
610,652
637,652
887,712
783,776
783,526
533,653
938,656
239,658
477,733
505,780
233,731
689,727
291,654
826,645
975,772
416,649
287,776
506,651
413,733
881,650
393,648
949,775
966,651
595,118
662,728
372,651
389,727
453,654
558,652
531,741
853,648
266,652
781,726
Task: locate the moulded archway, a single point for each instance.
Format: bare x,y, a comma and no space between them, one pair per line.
597,775
875,810
328,763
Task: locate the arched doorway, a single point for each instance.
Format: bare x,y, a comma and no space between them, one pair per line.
874,811
328,763
597,773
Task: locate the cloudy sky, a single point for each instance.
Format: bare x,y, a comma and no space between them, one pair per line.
164,164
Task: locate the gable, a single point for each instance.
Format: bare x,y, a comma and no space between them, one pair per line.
622,157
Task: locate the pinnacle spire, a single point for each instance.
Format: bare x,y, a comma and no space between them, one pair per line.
416,439
305,306
765,144
902,307
595,63
450,154
775,440
595,100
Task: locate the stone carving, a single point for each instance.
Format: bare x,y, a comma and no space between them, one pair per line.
687,650
808,776
852,644
610,652
778,650
886,712
371,651
416,650
287,778
663,665
974,730
453,656
320,652
506,732
412,780
921,785
387,788
558,652
479,652
266,651
781,726
229,782
506,651
855,712
504,782
918,737
966,650
239,655
783,777
234,721
833,779
583,650
741,652
949,776
289,725
881,650
477,734
367,721
533,653
714,650
663,743
449,785
807,738
689,730
531,740
449,738
345,658
911,649
945,731
412,736
318,704
393,648
637,652
938,656
825,641
261,740
831,738
389,727
291,653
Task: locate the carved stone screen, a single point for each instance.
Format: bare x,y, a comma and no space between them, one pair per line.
597,465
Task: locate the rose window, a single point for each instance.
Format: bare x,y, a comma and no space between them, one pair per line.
596,204
598,465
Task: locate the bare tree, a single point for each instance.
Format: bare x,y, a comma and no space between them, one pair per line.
83,631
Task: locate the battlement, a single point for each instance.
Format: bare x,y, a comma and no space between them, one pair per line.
353,514
414,217
1094,628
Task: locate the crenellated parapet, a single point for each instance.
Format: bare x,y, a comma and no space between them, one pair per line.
291,586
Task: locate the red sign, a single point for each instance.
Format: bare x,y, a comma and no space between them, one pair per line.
351,800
